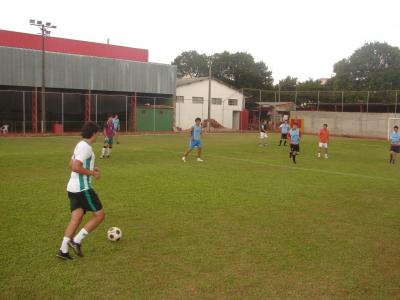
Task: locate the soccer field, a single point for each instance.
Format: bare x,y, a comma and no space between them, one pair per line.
245,224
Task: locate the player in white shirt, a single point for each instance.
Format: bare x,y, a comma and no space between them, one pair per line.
80,193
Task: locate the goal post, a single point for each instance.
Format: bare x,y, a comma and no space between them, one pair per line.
391,123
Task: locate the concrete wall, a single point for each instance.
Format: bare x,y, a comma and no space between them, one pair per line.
368,125
187,111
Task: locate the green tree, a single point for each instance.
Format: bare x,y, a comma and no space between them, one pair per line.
287,84
237,69
191,64
374,66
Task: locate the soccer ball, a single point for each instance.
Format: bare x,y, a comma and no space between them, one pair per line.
114,234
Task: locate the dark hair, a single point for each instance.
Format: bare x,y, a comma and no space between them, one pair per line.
395,126
326,125
197,119
89,129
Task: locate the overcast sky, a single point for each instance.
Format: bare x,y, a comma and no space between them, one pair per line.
301,38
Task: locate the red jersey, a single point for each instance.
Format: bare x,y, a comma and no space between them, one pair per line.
109,129
323,135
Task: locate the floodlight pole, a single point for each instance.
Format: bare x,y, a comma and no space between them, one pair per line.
43,115
209,95
43,26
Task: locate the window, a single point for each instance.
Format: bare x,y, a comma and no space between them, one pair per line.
216,101
180,99
197,100
232,102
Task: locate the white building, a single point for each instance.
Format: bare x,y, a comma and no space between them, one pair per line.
192,102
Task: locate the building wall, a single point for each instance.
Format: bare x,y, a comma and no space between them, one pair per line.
368,125
187,111
150,119
54,44
22,67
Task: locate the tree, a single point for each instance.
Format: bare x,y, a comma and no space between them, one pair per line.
374,66
191,64
287,84
236,69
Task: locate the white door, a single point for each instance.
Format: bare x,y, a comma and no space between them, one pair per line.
236,120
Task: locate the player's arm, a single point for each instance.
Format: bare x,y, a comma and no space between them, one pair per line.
77,167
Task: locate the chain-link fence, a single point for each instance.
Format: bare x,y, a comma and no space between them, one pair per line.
67,112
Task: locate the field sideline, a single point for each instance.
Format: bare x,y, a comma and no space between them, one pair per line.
245,224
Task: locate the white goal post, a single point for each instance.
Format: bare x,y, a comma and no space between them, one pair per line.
391,123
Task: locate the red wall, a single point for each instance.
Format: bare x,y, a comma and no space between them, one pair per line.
53,44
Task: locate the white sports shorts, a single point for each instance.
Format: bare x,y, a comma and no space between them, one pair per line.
263,135
323,145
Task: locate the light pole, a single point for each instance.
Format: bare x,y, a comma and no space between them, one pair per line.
209,95
45,32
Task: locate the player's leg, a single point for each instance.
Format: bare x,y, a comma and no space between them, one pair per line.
394,157
109,146
199,153
104,149
326,150
92,203
76,219
319,149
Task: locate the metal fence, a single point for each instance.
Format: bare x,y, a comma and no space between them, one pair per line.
67,112
324,100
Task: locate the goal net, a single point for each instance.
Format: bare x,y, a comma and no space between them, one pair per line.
391,123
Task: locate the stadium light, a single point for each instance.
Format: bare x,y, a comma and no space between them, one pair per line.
45,32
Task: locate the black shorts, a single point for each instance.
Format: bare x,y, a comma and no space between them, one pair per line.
87,200
294,148
284,136
395,149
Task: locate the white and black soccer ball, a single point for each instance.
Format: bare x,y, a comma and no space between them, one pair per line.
114,234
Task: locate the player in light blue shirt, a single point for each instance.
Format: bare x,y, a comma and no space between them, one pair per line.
115,121
196,133
394,144
294,135
284,132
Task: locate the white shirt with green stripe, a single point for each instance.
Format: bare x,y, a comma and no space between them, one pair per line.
79,182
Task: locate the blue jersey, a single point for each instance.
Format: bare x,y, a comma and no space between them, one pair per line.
196,132
294,136
116,123
395,138
284,128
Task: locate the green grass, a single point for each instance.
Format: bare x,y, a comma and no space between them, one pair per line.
245,224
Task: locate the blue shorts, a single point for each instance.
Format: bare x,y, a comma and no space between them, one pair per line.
194,144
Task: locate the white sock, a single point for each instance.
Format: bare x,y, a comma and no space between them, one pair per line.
64,244
319,154
108,151
326,155
103,151
80,236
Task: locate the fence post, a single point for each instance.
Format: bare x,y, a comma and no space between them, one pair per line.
367,101
259,108
62,112
395,106
318,101
96,108
342,101
295,97
23,112
126,114
275,96
154,114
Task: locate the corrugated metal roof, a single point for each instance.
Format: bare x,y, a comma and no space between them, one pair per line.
22,67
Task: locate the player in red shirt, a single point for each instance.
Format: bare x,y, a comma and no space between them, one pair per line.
108,138
323,140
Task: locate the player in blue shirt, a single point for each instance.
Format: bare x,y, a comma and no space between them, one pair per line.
284,132
294,135
196,133
394,144
115,121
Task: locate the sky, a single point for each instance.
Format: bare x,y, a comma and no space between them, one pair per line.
302,38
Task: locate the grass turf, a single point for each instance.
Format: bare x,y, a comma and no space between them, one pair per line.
245,224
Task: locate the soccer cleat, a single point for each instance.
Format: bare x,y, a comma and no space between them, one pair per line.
108,156
199,159
183,158
76,247
64,256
